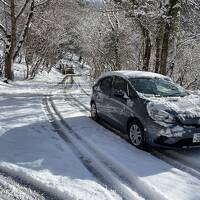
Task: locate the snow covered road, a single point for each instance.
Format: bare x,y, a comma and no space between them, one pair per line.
31,150
90,157
77,158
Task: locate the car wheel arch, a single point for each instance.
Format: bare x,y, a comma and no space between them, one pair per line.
133,118
96,116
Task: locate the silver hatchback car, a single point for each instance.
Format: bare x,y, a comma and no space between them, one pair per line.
149,107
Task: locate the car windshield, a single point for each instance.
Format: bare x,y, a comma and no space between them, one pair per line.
157,87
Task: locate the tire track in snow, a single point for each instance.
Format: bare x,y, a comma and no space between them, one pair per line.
177,161
179,156
83,108
132,181
88,158
79,86
85,161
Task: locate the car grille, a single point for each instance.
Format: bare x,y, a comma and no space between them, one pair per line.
186,142
193,125
190,122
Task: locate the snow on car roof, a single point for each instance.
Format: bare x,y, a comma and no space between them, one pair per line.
135,74
132,74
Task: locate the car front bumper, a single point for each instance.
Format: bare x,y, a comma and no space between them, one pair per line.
181,137
163,141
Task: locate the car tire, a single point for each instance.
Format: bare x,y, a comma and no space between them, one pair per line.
136,134
94,113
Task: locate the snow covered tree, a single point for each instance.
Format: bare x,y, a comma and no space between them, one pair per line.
14,24
187,60
53,34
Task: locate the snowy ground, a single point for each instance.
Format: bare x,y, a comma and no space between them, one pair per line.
32,149
155,175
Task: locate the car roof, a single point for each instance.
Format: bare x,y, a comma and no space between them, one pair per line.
132,74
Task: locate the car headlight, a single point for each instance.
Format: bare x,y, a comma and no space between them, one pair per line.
158,114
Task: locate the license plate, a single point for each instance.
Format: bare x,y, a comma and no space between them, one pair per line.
196,138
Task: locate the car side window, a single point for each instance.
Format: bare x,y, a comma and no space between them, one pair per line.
106,85
119,85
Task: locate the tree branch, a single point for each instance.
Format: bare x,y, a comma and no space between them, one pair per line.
41,3
3,29
108,16
192,82
22,9
25,31
4,10
1,39
4,3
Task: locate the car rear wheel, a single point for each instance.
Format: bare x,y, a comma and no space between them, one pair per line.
136,134
93,111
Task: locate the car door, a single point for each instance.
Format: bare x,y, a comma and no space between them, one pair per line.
120,109
103,97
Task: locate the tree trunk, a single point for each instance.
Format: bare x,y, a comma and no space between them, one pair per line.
11,42
159,38
13,47
169,28
147,52
147,46
116,50
164,50
27,66
8,67
20,57
157,66
34,69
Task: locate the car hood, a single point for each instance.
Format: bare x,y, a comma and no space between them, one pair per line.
186,109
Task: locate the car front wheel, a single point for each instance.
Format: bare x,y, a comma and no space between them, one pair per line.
136,134
93,111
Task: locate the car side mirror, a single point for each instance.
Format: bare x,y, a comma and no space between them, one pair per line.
125,96
121,94
118,93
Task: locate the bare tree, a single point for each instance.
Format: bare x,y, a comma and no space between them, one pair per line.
172,14
14,26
